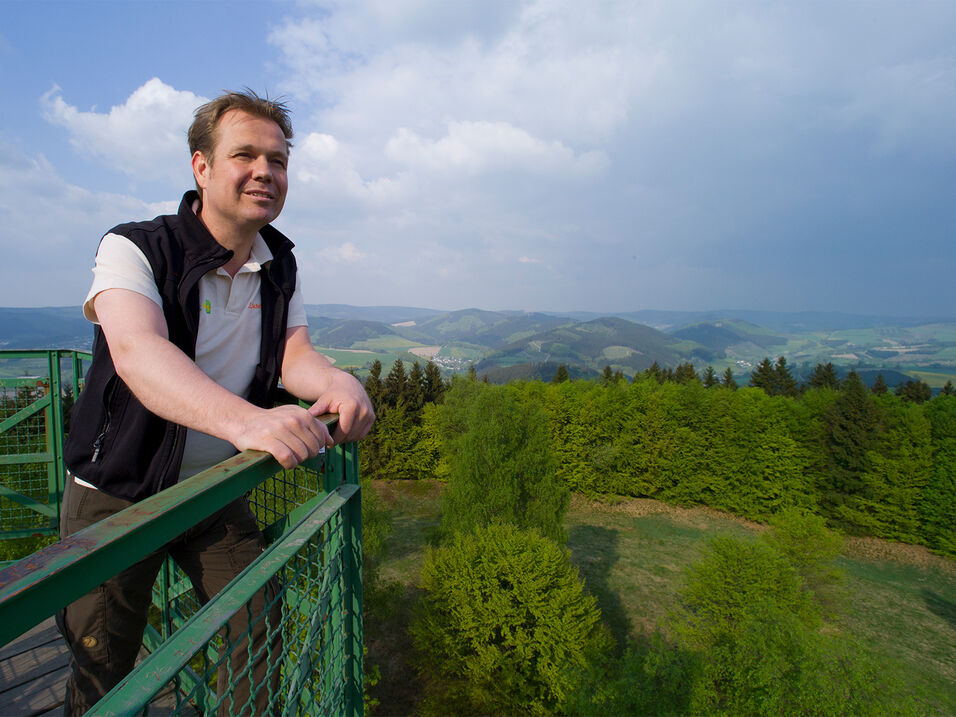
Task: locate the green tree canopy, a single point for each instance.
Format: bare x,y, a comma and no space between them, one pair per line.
851,424
505,625
502,468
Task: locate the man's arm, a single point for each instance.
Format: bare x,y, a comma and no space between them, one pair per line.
173,387
310,376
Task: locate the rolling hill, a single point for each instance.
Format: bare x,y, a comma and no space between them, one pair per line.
619,343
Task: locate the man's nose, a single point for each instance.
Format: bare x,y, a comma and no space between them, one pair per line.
262,169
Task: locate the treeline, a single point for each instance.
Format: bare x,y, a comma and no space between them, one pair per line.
871,463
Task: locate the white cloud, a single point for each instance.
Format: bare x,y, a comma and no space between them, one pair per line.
558,69
53,227
144,137
476,147
327,170
346,253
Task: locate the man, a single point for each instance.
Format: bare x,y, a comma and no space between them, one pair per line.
199,314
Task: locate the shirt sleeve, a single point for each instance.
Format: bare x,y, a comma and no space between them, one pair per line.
121,265
297,316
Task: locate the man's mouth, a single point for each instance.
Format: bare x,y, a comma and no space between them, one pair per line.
260,194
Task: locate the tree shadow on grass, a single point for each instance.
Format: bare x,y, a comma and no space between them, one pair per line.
390,648
940,606
594,551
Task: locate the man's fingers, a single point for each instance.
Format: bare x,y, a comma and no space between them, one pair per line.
290,434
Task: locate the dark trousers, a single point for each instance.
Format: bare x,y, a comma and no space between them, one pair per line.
104,629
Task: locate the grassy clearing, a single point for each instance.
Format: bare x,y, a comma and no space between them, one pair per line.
934,379
631,554
358,360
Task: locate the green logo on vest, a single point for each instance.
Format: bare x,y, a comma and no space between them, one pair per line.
207,306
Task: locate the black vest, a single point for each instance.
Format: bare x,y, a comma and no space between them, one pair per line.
115,443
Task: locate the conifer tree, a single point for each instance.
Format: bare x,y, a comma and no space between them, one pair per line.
472,375
434,384
654,371
561,375
764,377
607,376
685,373
502,467
373,384
915,391
414,393
948,389
879,386
393,388
710,378
505,627
728,380
785,384
851,425
824,376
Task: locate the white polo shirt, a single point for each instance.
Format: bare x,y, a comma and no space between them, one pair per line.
230,325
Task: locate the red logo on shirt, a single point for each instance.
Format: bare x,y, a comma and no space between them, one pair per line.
254,305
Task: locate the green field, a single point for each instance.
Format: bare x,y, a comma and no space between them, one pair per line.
386,343
357,360
631,554
934,379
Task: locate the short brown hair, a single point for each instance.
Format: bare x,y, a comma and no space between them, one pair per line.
202,132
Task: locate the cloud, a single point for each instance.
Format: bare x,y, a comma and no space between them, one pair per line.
144,137
326,168
477,147
346,253
54,227
555,69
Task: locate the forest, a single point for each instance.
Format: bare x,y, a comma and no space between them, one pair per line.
870,462
502,622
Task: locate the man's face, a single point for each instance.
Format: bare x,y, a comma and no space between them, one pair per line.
245,184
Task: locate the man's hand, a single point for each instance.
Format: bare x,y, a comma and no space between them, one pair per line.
309,375
290,433
346,397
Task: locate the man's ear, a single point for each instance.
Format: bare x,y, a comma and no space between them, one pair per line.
200,168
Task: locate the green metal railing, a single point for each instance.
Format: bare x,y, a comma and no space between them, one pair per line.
285,636
31,437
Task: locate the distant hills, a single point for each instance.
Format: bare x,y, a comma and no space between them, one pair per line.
44,328
514,344
607,341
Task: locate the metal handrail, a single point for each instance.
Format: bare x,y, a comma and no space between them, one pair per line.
321,518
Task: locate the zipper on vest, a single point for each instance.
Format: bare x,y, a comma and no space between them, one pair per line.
98,443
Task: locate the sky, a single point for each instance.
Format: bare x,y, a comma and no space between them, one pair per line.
538,155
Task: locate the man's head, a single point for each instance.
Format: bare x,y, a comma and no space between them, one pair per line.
240,146
203,131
